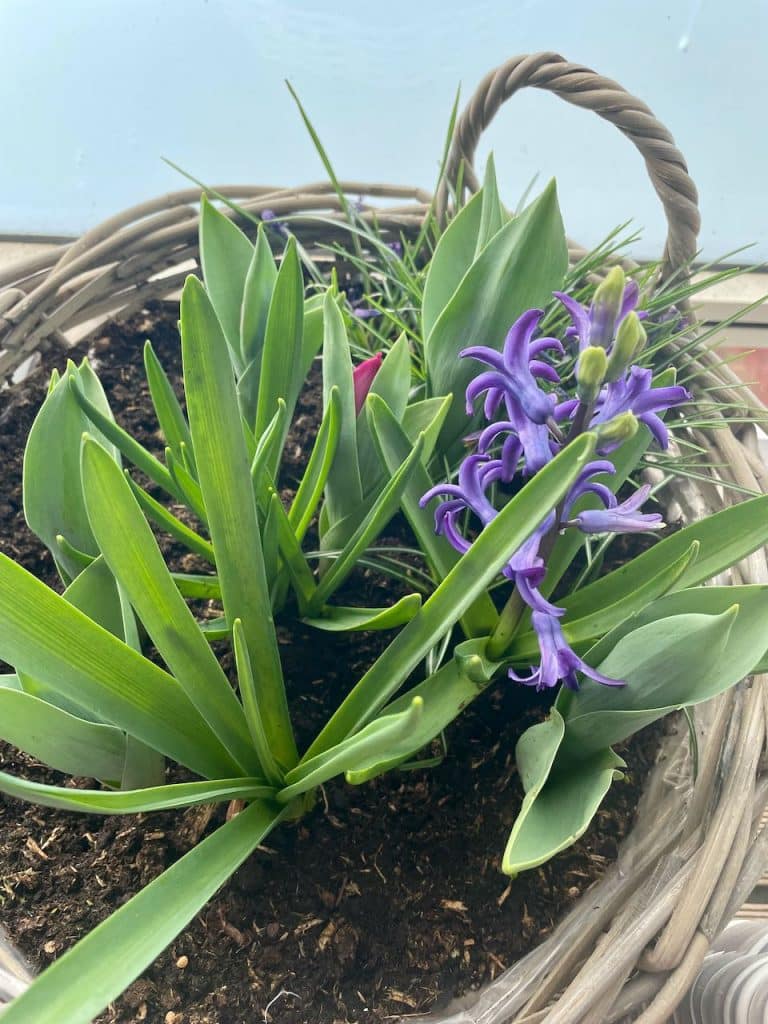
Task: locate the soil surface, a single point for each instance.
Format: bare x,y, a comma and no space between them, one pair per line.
386,899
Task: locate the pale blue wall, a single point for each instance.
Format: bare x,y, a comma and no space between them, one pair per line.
93,92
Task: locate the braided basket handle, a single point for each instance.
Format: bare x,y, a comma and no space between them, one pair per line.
584,88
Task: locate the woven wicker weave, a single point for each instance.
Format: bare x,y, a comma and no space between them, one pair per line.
633,944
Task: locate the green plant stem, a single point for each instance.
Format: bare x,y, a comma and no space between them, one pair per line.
506,627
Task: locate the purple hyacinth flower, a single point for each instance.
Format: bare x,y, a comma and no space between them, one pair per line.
623,518
511,371
585,323
365,313
534,438
584,484
634,394
476,474
511,448
558,660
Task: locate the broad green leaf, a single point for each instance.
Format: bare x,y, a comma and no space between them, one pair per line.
467,579
598,622
381,513
336,619
453,257
250,697
394,445
10,681
426,417
126,445
60,739
493,216
95,593
343,490
315,476
558,813
392,383
392,736
725,538
675,661
257,295
225,256
225,482
173,423
746,632
169,523
281,354
129,548
45,637
139,801
53,499
81,983
518,269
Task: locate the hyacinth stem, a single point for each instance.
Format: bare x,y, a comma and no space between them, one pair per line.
505,629
580,420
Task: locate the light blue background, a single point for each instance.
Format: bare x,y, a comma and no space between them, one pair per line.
94,92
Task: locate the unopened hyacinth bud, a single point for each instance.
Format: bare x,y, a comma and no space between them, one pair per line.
590,373
617,430
606,307
630,342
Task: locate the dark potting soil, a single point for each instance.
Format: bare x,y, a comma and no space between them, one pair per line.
386,899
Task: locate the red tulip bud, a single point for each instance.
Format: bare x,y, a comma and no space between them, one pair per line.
362,378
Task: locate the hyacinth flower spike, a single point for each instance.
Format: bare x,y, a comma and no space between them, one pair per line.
558,661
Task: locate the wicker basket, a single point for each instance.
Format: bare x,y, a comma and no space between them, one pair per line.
633,944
